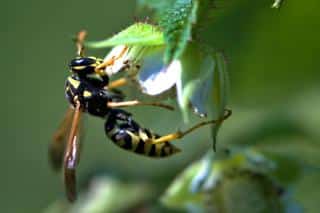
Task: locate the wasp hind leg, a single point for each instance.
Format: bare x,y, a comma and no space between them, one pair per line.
138,103
181,134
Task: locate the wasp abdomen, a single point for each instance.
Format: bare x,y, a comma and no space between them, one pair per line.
138,140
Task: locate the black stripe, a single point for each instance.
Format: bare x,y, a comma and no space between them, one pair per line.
128,142
152,150
140,147
166,146
148,133
122,136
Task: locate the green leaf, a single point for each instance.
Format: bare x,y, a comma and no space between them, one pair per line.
177,27
207,10
219,93
196,64
137,34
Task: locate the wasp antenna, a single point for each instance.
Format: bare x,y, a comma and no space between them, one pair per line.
79,42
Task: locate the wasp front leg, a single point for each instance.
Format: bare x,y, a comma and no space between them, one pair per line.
117,83
111,61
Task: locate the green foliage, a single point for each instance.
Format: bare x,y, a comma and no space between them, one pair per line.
229,178
219,92
177,24
137,34
246,192
195,64
206,10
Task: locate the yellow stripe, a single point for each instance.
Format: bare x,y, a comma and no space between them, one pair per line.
147,146
143,135
159,149
73,82
78,67
134,140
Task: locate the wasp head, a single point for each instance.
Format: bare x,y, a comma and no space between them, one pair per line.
84,65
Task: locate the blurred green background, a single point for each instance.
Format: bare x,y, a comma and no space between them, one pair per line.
273,59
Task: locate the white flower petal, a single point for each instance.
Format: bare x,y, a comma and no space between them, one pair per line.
119,64
155,77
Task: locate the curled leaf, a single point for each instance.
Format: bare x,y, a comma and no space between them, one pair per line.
137,34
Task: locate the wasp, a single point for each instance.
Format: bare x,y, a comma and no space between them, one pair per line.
88,90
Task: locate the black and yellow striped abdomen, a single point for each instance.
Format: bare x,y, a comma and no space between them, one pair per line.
137,143
131,137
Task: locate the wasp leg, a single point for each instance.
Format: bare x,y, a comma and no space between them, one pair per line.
71,157
111,61
117,83
138,103
181,134
56,148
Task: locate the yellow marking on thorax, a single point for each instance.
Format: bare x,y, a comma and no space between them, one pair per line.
68,89
73,82
87,94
